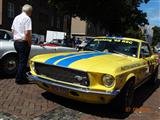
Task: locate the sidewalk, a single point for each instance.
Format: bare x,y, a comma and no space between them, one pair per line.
23,101
29,102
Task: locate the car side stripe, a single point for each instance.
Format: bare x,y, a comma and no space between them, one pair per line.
66,62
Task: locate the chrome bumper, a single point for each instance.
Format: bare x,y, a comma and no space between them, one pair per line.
77,89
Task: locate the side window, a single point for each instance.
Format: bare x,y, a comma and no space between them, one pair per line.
4,36
145,50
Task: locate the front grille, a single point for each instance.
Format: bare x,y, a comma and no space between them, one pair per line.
62,74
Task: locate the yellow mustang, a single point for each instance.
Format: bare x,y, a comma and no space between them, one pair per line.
108,67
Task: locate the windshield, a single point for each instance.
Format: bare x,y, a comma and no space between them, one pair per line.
126,47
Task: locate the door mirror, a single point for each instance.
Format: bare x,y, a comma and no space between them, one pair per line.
145,51
154,56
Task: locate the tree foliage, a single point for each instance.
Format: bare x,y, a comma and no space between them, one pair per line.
156,35
117,16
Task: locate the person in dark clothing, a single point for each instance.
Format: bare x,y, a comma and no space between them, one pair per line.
78,42
73,40
22,34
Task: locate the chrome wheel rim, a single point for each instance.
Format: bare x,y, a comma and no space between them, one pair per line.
11,65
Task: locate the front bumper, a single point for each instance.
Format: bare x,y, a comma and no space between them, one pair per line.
81,94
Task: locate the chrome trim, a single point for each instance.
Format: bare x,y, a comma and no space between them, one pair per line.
86,74
78,89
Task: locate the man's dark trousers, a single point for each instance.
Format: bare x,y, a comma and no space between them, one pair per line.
23,50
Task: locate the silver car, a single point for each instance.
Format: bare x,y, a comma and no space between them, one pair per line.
8,55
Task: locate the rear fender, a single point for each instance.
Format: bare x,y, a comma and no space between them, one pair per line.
8,53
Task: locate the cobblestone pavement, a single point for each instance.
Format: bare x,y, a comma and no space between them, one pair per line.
29,102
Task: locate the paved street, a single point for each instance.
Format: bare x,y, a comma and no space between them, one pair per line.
24,102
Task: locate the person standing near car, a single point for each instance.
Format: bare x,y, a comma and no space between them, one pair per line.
22,35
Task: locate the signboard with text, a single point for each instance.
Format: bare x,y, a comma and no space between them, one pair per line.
54,35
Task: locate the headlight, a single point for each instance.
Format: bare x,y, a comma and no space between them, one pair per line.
108,80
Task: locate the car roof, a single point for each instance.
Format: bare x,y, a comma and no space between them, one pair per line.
6,31
122,38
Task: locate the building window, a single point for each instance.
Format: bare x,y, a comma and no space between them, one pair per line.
10,10
52,21
43,18
65,24
58,22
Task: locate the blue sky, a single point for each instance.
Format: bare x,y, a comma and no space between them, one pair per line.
152,8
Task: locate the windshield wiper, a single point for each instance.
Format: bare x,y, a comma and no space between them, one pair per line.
114,51
92,49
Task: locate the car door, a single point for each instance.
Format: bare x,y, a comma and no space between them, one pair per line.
146,55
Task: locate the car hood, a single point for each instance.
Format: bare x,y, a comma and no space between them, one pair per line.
99,62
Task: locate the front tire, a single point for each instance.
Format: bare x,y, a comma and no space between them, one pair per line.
9,65
154,79
125,98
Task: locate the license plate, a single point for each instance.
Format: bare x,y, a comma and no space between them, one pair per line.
60,90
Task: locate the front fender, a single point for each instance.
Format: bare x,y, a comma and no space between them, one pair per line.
123,79
131,75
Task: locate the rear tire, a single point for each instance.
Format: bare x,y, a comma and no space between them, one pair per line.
10,64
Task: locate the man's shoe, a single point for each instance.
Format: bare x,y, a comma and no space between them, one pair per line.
21,82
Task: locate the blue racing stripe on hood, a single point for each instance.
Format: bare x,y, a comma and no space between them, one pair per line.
66,62
54,59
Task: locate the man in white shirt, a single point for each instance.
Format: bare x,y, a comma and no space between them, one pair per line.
22,34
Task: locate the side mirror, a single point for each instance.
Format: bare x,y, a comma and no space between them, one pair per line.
154,56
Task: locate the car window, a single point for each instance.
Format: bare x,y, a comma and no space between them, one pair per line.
145,50
126,47
4,36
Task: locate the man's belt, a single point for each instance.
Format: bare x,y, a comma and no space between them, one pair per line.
20,40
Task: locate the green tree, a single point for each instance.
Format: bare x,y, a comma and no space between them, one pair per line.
117,16
156,35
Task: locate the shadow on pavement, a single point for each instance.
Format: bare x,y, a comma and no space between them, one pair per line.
3,76
141,95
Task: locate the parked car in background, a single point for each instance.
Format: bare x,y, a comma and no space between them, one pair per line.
37,39
54,43
8,55
110,68
85,42
5,35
